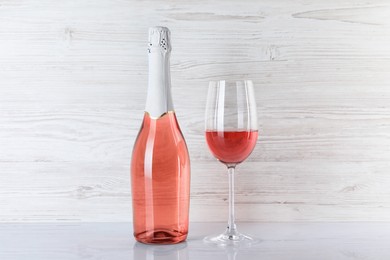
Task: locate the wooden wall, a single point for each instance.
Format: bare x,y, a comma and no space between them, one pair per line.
73,78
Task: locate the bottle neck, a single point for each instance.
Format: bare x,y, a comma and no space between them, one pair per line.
159,98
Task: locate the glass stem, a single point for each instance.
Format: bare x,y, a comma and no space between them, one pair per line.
231,229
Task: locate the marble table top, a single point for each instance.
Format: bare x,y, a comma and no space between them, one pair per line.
114,241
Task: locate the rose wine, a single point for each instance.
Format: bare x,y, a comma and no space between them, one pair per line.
231,147
160,174
160,166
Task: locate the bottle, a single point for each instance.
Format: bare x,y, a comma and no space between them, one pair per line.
160,166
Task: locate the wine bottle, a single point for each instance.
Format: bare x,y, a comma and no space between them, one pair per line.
160,166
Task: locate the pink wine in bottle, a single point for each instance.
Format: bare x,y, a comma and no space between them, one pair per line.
160,166
231,147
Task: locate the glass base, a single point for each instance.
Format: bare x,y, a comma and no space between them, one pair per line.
231,238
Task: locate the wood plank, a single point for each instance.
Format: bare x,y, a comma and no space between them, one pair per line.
73,79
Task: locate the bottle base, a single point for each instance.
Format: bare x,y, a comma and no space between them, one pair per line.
161,236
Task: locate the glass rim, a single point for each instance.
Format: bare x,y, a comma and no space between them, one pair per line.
231,80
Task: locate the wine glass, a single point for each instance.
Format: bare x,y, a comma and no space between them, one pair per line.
231,135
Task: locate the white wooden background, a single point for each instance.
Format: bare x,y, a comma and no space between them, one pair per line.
73,77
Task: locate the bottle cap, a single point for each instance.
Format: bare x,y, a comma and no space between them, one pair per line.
159,39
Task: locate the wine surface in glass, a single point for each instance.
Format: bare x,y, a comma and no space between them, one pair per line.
160,172
231,147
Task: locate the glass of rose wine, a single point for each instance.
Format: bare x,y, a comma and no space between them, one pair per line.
231,134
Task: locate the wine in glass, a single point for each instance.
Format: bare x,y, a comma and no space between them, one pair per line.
231,135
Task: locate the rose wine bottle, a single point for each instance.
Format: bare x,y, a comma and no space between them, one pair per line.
160,166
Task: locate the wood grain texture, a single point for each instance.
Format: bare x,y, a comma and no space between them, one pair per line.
73,77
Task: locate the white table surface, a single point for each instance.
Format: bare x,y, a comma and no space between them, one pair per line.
114,241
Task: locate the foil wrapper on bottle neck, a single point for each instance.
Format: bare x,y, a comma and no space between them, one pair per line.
159,39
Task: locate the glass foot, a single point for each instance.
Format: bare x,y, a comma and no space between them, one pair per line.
231,239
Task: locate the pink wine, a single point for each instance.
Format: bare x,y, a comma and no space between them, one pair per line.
231,146
160,182
160,165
